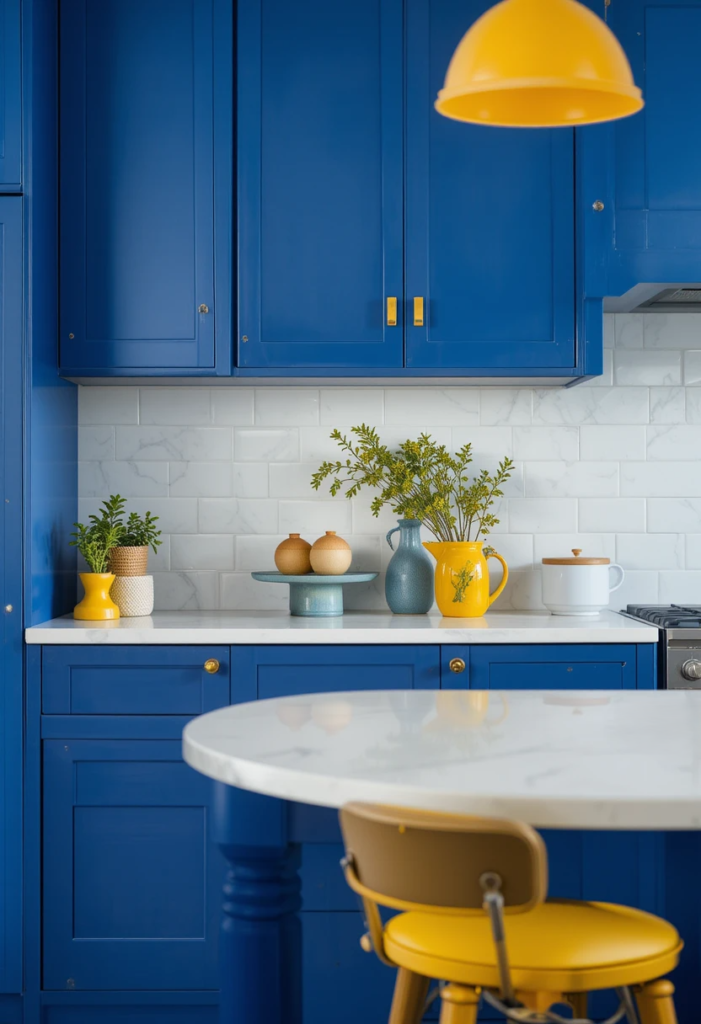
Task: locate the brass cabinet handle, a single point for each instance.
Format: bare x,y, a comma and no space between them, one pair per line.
211,665
418,311
456,665
392,311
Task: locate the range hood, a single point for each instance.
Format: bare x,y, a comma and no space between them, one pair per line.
657,298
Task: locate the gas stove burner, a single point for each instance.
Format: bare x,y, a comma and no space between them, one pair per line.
668,616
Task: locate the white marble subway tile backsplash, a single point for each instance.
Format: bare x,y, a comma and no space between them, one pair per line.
612,466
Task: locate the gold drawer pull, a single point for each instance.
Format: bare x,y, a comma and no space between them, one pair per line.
456,665
211,665
392,311
418,311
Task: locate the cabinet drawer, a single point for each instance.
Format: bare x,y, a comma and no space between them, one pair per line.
133,680
263,672
542,667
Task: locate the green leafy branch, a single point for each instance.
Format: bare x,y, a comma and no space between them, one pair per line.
421,480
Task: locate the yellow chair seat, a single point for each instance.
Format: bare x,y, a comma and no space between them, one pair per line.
559,946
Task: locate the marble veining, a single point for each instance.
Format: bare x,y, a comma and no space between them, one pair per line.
278,627
592,759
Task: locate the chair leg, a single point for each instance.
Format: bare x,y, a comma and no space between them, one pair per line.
579,1001
459,1005
410,991
656,1002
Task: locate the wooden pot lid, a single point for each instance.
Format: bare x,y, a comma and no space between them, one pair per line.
576,560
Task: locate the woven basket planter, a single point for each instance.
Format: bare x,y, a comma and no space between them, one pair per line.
133,595
129,561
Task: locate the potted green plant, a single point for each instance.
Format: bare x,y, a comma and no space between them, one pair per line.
95,543
421,480
129,557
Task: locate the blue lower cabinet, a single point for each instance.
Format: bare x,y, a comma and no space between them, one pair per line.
260,672
131,887
549,667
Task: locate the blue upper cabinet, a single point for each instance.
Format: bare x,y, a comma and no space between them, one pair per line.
653,209
320,183
10,97
489,223
139,158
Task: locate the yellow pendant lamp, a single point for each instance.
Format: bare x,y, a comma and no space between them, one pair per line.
539,64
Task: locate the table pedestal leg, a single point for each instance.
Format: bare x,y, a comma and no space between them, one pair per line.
261,941
260,950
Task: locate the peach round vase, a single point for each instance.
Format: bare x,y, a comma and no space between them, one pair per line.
330,555
292,556
97,605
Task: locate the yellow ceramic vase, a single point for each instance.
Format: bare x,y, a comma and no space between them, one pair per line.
97,605
462,578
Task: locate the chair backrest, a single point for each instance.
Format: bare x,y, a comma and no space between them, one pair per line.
411,859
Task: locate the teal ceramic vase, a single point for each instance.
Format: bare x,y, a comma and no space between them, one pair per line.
409,579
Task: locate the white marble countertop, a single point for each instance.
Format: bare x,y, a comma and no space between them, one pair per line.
591,759
272,627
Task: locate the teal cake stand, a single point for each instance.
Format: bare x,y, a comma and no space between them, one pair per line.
314,595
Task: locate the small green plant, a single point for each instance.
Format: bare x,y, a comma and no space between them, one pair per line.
140,532
461,580
421,480
95,542
107,530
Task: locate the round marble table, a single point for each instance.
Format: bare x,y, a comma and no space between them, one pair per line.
570,760
614,760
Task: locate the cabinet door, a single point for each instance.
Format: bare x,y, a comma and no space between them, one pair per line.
489,223
10,96
656,227
319,183
11,654
137,184
131,880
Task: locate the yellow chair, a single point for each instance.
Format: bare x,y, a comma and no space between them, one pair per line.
475,918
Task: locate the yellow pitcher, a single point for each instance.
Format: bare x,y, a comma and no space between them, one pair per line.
462,577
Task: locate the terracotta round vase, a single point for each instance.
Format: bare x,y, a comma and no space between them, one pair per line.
330,555
292,556
97,605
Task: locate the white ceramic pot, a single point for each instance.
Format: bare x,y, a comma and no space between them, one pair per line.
579,586
133,595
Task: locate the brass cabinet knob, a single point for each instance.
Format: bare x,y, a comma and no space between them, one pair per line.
456,665
597,205
211,665
203,308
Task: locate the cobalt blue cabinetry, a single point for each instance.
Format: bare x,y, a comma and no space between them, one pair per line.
489,223
320,115
648,167
555,667
131,878
133,841
489,215
145,185
10,97
11,656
